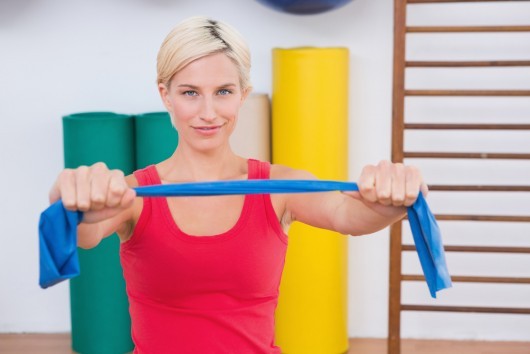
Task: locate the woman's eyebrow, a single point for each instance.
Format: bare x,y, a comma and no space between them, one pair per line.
196,87
188,86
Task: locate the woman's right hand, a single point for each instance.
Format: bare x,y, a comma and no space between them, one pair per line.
95,190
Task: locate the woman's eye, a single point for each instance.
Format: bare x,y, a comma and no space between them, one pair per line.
189,93
224,92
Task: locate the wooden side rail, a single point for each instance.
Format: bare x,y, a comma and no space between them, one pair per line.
501,218
473,249
478,188
472,279
467,64
469,93
466,155
506,310
449,1
464,126
466,29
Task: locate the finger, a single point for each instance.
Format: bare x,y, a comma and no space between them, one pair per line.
99,181
117,188
424,189
66,190
398,184
414,181
366,184
82,188
383,182
128,198
55,192
106,213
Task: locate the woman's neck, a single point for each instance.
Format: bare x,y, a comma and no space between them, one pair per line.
191,165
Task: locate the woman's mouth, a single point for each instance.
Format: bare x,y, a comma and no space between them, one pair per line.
208,130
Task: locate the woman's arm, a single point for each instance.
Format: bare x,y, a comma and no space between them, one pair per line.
385,190
105,197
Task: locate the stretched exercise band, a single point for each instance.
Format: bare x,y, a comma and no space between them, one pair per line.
58,226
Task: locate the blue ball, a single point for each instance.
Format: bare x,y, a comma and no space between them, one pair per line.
304,7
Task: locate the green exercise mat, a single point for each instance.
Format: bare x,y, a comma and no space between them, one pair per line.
156,139
100,311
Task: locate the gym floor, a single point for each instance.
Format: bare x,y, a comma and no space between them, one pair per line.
60,344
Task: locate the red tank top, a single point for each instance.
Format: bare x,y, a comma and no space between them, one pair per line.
204,294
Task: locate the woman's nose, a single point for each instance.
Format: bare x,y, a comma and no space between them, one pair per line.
207,112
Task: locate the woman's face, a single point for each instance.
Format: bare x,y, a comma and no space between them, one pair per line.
204,100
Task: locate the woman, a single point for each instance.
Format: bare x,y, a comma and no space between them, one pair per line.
203,273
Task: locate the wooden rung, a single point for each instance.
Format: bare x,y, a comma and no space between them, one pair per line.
466,64
446,1
466,155
463,126
469,93
472,279
476,249
501,218
466,29
512,310
479,188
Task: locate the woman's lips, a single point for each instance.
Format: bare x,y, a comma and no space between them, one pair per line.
208,130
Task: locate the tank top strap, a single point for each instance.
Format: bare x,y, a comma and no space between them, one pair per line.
261,170
147,176
258,169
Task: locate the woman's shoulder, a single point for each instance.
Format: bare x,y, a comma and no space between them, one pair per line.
285,172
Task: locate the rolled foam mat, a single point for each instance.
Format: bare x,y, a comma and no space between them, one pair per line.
100,311
156,139
309,131
252,137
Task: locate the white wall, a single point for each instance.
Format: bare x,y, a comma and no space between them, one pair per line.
59,57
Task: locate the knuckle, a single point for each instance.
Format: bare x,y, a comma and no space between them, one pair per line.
117,176
100,164
98,198
117,190
69,203
383,194
398,168
384,164
365,187
117,173
83,206
411,195
81,172
399,199
412,170
368,169
99,167
65,175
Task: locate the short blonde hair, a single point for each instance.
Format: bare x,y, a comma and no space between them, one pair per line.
197,37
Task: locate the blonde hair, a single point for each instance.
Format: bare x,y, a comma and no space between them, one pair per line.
197,37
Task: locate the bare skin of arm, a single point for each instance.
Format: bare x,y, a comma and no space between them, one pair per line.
105,196
110,205
384,193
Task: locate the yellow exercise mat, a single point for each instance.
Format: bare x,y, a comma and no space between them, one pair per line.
252,135
309,131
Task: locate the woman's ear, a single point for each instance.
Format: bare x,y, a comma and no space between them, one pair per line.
244,94
164,95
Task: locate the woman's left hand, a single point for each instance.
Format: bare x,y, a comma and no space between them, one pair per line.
390,184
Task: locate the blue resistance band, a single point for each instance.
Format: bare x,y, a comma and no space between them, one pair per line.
58,226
